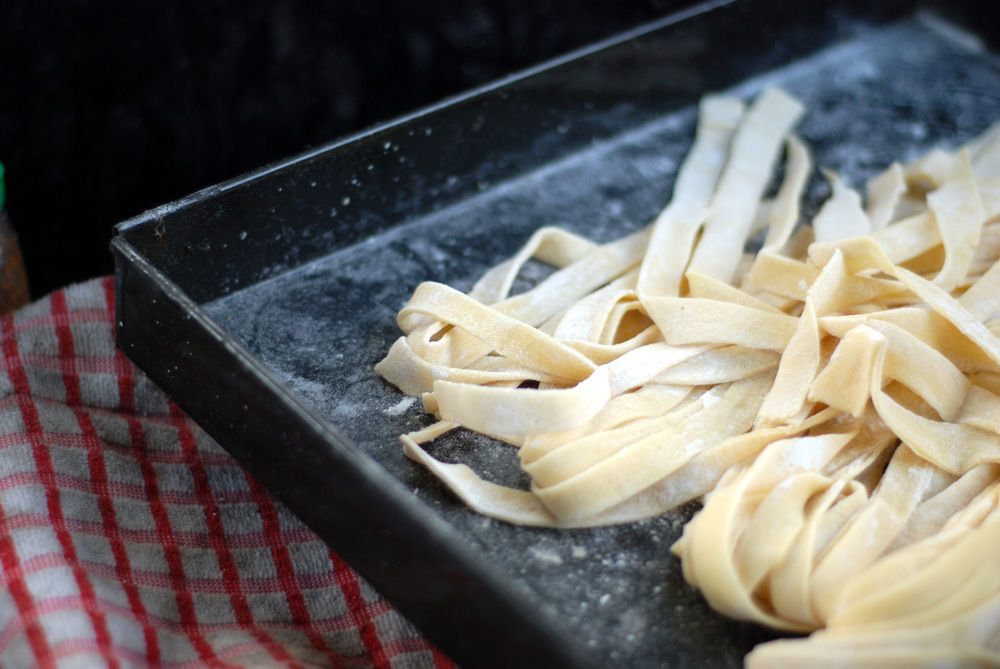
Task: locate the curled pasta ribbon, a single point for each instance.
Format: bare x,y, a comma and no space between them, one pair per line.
832,399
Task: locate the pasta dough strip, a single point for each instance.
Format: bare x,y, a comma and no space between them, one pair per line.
757,142
675,228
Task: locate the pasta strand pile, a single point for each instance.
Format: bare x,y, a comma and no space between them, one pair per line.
833,398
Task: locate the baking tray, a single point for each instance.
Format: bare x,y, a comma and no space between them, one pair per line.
261,305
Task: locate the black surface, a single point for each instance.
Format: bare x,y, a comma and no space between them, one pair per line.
108,108
278,293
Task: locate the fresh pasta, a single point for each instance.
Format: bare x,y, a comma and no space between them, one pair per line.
832,399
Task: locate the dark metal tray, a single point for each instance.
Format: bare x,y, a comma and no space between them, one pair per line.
261,305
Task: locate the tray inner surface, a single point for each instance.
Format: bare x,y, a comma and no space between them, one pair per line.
889,93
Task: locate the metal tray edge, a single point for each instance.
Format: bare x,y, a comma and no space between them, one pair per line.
451,576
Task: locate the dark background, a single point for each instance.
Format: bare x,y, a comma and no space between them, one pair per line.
110,108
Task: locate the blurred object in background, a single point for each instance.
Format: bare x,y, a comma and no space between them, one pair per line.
109,108
13,280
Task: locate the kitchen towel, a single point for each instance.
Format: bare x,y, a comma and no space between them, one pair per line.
129,538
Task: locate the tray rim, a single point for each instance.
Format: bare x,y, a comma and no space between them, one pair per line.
155,213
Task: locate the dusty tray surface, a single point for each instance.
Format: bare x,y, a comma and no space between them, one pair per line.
318,326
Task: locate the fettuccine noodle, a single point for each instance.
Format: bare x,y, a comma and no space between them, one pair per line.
832,399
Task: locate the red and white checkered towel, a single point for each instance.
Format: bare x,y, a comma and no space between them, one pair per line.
129,538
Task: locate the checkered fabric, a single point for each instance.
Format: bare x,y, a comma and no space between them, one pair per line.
129,538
